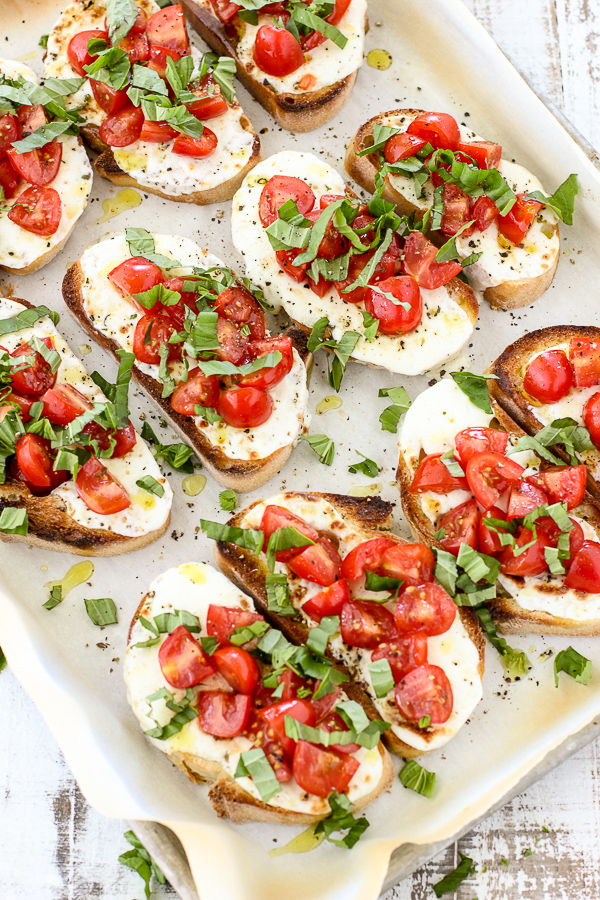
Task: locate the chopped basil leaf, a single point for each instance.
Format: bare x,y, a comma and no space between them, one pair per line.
319,635
416,778
150,484
424,722
278,594
26,319
224,367
371,325
376,582
249,538
367,466
448,251
381,677
141,243
102,611
562,201
515,662
178,456
228,500
56,597
120,16
446,571
41,136
184,712
2,660
14,521
323,446
573,437
341,819
111,65
305,17
285,539
141,862
574,664
478,566
440,534
157,294
209,644
208,413
43,41
452,464
255,765
246,633
342,350
381,135
390,416
476,388
450,883
367,736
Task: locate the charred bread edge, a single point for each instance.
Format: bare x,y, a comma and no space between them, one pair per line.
231,801
240,475
51,528
294,112
373,516
508,294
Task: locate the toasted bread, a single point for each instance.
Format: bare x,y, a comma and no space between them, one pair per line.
294,111
508,393
371,516
238,474
227,796
510,293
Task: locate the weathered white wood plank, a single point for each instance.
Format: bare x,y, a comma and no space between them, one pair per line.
579,37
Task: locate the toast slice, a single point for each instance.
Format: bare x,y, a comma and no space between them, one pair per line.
351,521
509,276
242,469
59,520
508,392
292,108
532,604
205,759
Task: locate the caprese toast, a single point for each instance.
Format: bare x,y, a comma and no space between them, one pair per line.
299,60
326,571
45,175
330,260
74,475
202,349
505,229
259,731
525,534
549,376
147,97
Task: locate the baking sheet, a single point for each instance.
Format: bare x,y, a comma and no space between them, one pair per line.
72,669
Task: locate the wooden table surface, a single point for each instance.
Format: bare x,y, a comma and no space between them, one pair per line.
53,846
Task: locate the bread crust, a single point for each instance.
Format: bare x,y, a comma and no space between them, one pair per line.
294,112
238,474
107,166
51,528
40,262
508,294
374,517
507,390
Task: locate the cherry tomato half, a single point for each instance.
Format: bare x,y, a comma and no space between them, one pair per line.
424,607
321,770
34,461
411,563
591,418
584,574
489,475
167,28
276,517
277,191
404,653
319,563
223,713
476,440
562,484
276,51
37,210
460,526
135,275
198,390
439,129
221,621
99,490
402,146
77,52
419,261
425,691
432,475
245,407
122,128
198,148
182,660
393,317
584,354
268,377
151,332
517,222
237,667
32,381
549,376
366,557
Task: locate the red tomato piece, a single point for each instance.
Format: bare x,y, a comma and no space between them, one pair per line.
245,407
182,660
591,418
32,381
9,178
402,146
439,129
274,719
22,404
37,210
315,38
584,574
478,440
238,668
367,556
225,10
562,484
277,191
457,211
38,167
576,536
523,498
404,653
485,212
584,354
549,376
319,563
276,517
424,607
486,154
9,131
320,770
425,691
489,542
532,561
223,713
320,287
393,317
333,243
99,490
239,306
327,602
198,390
138,27
276,51
31,118
123,128
107,98
432,475
412,563
64,403
221,621
286,258
367,624
157,132
151,332
210,103
461,526
196,147
77,52
135,275
166,28
157,59
234,344
34,461
419,261
517,222
270,376
136,47
490,474
334,722
126,440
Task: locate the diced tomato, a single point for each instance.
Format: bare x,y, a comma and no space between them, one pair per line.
333,244
425,691
424,607
238,305
486,154
326,200
457,211
276,517
393,317
198,148
122,128
221,621
484,212
135,275
584,574
64,403
523,498
225,10
315,38
562,484
245,407
210,103
9,178
366,624
223,713
157,59
166,28
9,131
286,258
591,418
476,440
320,287
22,404
412,563
77,52
238,668
136,47
321,770
182,660
334,722
138,27
549,376
274,719
419,261
34,461
584,354
489,475
126,440
31,118
489,542
319,563
234,343
517,222
327,602
277,191
276,51
460,525
576,536
432,475
100,492
439,129
188,298
404,653
40,166
151,332
107,98
366,557
402,146
34,380
532,561
37,210
198,390
292,683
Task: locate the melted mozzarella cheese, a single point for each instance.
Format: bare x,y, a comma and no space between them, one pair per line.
193,587
501,261
20,248
454,652
445,327
116,318
324,66
147,512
